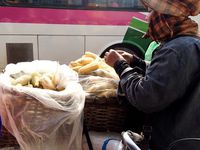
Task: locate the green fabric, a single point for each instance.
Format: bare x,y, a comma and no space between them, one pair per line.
152,46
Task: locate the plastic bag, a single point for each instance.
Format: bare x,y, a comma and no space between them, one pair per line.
43,119
99,86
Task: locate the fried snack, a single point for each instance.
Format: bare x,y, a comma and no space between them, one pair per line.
22,80
85,60
87,69
89,54
73,64
47,83
91,64
76,68
57,80
102,73
36,76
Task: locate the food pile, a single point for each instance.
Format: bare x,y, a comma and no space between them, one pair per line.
91,64
37,80
42,101
96,77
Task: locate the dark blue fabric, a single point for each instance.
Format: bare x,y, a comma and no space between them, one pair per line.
162,91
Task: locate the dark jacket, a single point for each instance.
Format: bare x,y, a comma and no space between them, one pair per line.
169,90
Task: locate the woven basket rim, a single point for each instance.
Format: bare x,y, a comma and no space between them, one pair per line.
101,100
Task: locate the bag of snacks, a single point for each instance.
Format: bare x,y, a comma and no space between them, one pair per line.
41,105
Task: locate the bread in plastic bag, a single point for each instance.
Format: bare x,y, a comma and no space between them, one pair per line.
99,86
43,119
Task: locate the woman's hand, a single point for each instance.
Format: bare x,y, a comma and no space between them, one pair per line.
127,56
112,57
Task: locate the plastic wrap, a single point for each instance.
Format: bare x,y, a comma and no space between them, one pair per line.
99,86
43,119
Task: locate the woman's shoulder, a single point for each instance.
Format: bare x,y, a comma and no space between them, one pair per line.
183,42
187,39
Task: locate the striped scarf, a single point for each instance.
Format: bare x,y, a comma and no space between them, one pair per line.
170,18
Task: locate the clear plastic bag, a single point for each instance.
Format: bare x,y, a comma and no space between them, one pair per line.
43,119
99,86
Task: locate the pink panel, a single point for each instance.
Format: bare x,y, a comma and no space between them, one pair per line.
63,16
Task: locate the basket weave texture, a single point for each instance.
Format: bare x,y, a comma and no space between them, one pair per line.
7,139
107,114
36,115
100,114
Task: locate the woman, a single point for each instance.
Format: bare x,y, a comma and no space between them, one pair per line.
169,87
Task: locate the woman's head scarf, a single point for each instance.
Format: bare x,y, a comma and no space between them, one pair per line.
170,18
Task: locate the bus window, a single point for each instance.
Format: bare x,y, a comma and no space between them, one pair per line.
75,2
113,3
128,5
131,3
97,3
122,4
44,3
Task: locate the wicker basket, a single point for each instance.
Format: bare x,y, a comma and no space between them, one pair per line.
7,139
107,114
34,110
100,114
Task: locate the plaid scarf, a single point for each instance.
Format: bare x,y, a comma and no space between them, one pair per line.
171,18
